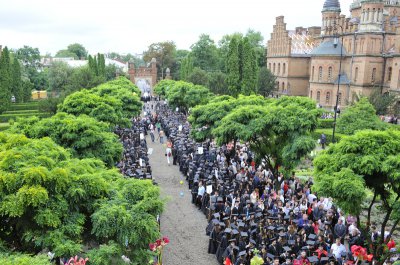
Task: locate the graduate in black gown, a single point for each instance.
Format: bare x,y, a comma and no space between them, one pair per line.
213,241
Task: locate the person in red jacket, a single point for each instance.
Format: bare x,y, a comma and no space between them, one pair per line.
391,244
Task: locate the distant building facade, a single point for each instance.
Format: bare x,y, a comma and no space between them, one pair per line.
306,61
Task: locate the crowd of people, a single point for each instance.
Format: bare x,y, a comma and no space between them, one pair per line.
252,210
135,160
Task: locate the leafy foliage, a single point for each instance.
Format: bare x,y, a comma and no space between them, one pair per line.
21,259
360,116
368,159
49,200
163,86
5,80
85,137
266,82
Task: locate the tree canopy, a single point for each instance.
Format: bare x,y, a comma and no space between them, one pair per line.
83,136
49,200
114,102
359,116
368,159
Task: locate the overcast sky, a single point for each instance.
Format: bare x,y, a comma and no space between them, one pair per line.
131,26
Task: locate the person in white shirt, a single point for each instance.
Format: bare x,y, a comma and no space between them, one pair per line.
200,194
337,249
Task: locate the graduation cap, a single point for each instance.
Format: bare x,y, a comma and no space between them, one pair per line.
287,249
225,218
235,232
313,259
243,234
310,242
252,241
232,239
280,228
216,215
271,256
282,234
305,248
312,236
242,253
215,221
221,224
291,242
286,217
271,227
324,259
227,230
258,215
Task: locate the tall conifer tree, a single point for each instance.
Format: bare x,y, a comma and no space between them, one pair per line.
5,80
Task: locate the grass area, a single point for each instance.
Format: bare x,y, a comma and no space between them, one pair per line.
20,111
32,105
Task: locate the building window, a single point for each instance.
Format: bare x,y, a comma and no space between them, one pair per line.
330,73
340,99
390,74
328,97
279,68
318,96
312,74
284,68
277,85
311,94
320,74
356,74
283,86
373,75
274,69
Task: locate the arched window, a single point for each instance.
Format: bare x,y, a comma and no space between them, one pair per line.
320,74
356,74
330,74
279,68
312,74
274,69
328,97
284,68
318,96
390,74
373,76
283,86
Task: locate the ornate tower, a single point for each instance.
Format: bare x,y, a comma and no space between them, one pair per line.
371,15
330,16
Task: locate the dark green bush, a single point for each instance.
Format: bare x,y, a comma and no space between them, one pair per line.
325,123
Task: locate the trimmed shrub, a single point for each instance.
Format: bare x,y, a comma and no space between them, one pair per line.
325,123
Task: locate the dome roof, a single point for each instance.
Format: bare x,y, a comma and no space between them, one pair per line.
331,5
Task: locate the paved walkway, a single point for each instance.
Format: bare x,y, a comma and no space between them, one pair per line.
181,221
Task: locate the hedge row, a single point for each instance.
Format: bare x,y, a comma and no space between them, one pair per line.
21,111
325,123
24,106
328,132
7,117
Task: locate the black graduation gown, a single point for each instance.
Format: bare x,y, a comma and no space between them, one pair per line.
221,248
213,244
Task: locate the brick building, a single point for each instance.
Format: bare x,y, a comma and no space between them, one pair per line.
307,61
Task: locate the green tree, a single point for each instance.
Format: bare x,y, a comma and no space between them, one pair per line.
101,65
30,60
233,67
27,87
205,53
186,67
17,89
165,55
368,159
163,87
198,77
359,116
5,80
266,82
103,108
83,136
205,118
51,201
66,54
217,83
382,102
59,76
223,48
256,42
78,50
248,68
278,132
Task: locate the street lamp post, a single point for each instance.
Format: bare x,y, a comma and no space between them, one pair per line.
335,43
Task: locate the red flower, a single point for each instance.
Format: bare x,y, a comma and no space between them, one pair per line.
152,246
165,240
370,257
158,242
